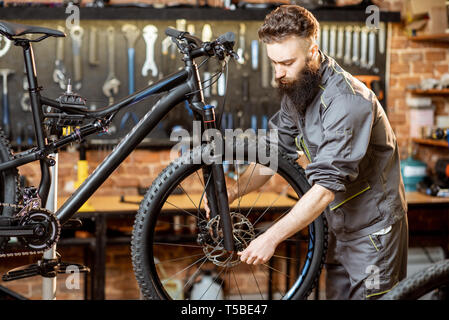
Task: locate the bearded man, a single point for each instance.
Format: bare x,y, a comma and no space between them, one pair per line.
353,163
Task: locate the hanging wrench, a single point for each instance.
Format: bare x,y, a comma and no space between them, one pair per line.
382,38
241,52
255,54
4,49
364,48
150,36
325,39
59,74
76,34
265,69
111,85
93,52
340,43
131,34
333,41
348,38
355,45
372,51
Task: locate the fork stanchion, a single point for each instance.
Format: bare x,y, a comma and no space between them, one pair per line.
49,284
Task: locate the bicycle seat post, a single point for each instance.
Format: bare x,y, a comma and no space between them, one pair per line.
37,112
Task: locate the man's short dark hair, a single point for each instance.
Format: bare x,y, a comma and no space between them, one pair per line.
288,20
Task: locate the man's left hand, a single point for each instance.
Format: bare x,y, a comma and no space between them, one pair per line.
259,251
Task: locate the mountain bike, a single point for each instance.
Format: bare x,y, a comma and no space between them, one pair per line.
167,264
433,280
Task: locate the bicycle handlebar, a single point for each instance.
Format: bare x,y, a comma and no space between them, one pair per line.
221,47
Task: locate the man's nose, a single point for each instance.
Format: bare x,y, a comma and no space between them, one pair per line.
279,72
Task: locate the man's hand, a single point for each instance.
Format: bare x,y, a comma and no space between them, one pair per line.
260,250
231,197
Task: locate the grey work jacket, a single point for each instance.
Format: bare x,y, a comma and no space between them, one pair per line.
353,152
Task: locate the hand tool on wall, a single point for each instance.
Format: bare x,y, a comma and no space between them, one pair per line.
372,51
150,36
131,33
255,55
241,51
25,99
265,68
374,83
59,73
325,39
382,37
355,45
348,47
165,46
6,120
5,44
93,44
333,41
364,48
111,85
76,33
340,42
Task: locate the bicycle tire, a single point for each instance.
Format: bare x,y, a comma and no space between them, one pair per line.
9,181
146,219
421,283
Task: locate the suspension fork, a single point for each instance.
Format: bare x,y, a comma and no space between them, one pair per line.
216,191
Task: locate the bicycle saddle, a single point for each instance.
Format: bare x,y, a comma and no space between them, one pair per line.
10,30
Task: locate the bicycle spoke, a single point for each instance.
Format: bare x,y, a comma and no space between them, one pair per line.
274,284
165,280
215,278
177,244
249,179
174,224
238,288
191,214
194,205
194,274
257,283
271,205
201,181
179,259
276,270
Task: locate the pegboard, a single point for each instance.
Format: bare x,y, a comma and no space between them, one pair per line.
261,101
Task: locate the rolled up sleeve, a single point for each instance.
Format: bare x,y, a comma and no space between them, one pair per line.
347,124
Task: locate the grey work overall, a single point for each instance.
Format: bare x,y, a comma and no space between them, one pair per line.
353,152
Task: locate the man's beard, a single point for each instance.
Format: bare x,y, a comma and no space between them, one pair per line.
303,89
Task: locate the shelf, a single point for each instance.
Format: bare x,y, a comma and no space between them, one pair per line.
431,92
443,37
189,13
431,142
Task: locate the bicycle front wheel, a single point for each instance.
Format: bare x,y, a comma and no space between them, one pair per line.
178,254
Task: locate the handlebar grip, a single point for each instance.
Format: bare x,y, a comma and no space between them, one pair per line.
174,33
227,37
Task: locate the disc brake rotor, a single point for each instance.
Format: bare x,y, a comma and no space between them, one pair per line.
243,234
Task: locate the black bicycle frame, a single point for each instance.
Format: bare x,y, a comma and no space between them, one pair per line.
182,85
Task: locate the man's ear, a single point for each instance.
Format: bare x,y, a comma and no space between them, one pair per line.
313,51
